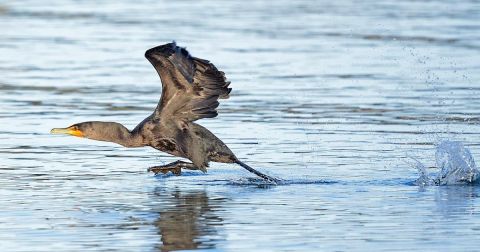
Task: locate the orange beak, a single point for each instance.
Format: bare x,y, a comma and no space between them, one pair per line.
72,130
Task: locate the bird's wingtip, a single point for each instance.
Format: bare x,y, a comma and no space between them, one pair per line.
166,49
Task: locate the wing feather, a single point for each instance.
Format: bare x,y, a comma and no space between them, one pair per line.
191,86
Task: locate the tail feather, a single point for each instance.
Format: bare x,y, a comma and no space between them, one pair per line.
250,169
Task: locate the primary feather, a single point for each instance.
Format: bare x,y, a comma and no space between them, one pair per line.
191,86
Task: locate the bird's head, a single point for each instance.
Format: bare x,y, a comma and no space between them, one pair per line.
94,130
101,131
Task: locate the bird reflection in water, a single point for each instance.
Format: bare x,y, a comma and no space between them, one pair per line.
187,220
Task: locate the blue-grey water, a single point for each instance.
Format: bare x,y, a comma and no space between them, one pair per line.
334,97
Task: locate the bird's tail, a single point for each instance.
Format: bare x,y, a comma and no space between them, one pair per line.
261,175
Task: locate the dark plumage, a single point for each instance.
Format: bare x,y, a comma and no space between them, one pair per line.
191,88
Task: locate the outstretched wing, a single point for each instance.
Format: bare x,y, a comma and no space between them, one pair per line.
191,86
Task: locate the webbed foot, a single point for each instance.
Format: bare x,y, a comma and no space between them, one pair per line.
174,167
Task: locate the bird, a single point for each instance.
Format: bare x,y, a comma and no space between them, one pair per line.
191,88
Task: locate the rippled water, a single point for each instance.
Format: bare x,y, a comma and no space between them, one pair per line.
332,97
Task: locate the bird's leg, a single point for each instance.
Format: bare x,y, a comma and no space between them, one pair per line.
174,167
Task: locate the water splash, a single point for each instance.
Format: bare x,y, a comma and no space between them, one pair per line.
423,179
456,165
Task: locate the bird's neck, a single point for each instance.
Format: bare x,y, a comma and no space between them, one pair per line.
117,133
129,139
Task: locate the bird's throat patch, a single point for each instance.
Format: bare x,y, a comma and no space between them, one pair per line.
75,132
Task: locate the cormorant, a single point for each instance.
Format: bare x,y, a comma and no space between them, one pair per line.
191,88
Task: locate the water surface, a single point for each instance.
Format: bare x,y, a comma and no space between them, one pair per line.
333,97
